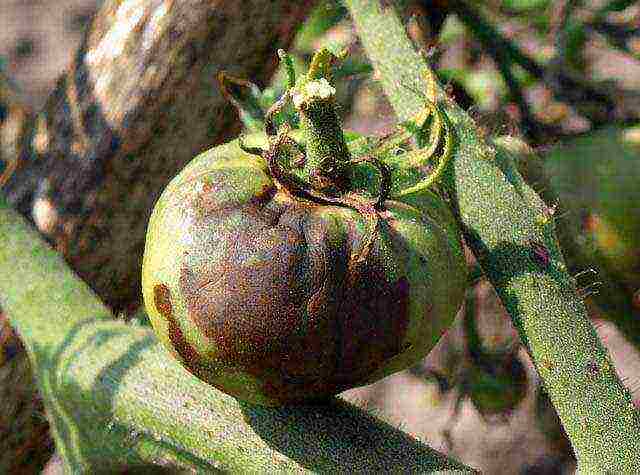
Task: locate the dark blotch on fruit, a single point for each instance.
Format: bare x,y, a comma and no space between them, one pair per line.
162,300
281,307
189,356
207,201
374,321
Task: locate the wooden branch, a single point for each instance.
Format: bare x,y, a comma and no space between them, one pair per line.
138,102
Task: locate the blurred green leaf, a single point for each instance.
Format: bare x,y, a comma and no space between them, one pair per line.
481,85
596,178
326,15
576,38
452,29
525,5
618,5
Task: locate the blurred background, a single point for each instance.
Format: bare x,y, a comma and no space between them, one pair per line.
562,75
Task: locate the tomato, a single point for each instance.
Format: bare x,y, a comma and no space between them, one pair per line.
278,299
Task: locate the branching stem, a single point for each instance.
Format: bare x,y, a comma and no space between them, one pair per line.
500,217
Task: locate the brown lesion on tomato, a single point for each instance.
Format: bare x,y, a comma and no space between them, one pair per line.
162,300
254,308
188,355
266,194
374,321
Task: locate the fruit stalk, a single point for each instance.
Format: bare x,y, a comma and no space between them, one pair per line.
326,148
512,234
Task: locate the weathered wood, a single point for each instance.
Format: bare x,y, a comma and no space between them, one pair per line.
138,102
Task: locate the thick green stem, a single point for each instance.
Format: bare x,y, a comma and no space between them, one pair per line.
117,400
326,148
513,236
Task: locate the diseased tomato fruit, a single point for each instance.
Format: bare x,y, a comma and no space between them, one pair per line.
270,297
271,274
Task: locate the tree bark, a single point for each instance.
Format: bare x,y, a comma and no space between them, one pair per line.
138,102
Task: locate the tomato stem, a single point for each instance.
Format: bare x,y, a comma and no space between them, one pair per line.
313,96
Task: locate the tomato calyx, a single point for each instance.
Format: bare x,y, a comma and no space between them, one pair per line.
282,143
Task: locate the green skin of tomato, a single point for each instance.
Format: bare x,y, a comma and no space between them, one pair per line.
252,289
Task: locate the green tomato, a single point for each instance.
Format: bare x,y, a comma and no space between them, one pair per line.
255,291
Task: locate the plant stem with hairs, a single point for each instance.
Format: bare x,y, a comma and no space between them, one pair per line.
512,234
